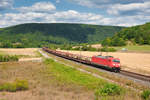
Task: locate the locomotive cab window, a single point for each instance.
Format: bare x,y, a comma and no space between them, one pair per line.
118,61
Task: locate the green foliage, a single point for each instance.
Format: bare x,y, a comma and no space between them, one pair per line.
48,61
66,74
38,35
106,49
21,85
66,47
79,48
138,34
117,41
88,48
7,58
109,90
114,41
107,42
18,85
146,95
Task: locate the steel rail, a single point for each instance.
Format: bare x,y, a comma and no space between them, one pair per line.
135,75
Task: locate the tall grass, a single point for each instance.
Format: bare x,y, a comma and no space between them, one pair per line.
18,85
106,49
109,89
7,58
67,74
145,95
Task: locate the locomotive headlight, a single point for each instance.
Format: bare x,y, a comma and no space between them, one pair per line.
114,64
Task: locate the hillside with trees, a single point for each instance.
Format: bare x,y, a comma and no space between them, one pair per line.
39,34
136,35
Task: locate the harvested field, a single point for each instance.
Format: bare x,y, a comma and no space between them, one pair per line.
139,62
96,46
24,51
25,54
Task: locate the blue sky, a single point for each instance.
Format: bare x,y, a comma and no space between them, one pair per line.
100,12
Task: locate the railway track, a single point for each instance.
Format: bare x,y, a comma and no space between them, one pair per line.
122,72
135,75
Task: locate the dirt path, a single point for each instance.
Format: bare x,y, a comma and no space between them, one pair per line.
31,59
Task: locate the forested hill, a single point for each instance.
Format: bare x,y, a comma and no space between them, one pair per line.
38,34
136,35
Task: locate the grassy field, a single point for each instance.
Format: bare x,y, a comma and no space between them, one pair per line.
42,82
54,81
138,48
102,89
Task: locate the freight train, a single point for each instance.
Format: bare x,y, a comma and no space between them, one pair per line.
107,62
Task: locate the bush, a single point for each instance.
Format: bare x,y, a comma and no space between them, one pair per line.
85,48
106,49
8,87
49,61
21,85
109,90
6,58
146,95
18,85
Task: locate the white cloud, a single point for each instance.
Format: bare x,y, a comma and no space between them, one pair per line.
39,14
70,16
117,7
6,4
86,3
39,7
105,3
98,3
136,7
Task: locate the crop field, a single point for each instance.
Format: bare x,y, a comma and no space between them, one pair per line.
24,54
135,48
24,51
139,62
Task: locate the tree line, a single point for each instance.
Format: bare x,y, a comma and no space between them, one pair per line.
136,35
38,35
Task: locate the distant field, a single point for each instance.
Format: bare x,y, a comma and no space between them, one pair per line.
24,54
142,48
22,51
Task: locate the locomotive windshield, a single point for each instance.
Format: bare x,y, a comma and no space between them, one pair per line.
115,60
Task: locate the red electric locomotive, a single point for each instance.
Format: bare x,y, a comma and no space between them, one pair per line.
107,61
